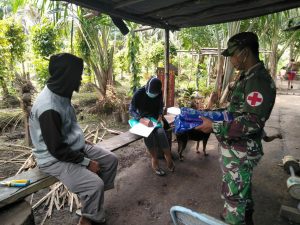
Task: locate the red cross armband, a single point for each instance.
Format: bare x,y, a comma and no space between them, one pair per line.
254,99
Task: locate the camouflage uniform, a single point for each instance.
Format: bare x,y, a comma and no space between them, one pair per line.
251,103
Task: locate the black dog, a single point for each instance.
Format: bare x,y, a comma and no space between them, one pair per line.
194,135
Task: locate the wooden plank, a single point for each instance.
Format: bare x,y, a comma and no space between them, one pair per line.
17,214
119,141
38,180
292,214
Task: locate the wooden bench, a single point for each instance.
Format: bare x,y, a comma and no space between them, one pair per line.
39,180
119,141
10,196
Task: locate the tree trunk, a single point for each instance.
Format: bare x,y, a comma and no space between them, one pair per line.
5,92
198,75
179,64
25,88
291,56
228,73
220,66
273,58
233,28
208,71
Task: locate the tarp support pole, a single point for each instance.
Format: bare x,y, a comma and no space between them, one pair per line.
167,67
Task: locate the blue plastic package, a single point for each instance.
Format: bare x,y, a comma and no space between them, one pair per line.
190,118
182,126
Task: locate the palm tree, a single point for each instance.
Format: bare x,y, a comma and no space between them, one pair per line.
274,38
96,32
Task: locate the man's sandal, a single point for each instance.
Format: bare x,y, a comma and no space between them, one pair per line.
159,172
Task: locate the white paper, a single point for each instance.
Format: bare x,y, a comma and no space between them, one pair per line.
142,130
173,110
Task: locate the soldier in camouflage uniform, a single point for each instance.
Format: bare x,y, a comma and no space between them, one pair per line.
251,103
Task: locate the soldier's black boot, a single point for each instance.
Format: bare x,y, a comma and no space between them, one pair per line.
248,217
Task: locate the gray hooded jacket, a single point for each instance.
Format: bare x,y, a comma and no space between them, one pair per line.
54,130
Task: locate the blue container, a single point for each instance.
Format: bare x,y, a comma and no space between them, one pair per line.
191,118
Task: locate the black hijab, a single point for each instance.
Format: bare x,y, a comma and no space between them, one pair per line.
153,86
65,74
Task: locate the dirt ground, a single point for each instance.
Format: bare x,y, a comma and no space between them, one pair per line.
142,198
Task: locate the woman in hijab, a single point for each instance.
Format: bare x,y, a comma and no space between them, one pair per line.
147,102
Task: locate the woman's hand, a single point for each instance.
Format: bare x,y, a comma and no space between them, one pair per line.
146,122
159,119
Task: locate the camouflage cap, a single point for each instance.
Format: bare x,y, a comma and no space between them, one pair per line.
240,41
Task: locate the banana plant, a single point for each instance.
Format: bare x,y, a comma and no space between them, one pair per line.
133,46
95,31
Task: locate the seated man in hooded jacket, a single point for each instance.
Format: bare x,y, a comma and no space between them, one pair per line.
59,145
147,102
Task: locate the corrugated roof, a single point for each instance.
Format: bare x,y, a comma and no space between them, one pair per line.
174,14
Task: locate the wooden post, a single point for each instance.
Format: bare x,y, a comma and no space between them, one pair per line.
167,67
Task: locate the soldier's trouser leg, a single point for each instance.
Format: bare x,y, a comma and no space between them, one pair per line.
236,187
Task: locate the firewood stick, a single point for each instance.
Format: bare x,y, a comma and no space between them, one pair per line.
63,201
46,196
103,122
71,205
88,137
103,134
47,201
110,130
87,134
114,131
90,132
8,123
86,127
14,150
18,146
56,202
45,217
51,204
13,161
64,192
100,139
31,198
25,153
17,122
78,204
96,137
27,160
